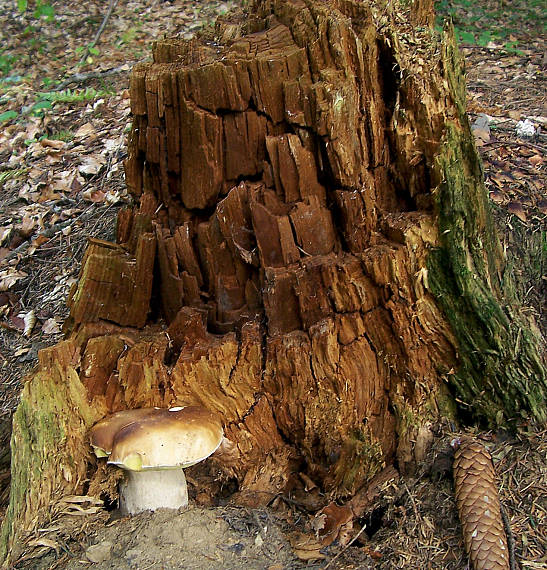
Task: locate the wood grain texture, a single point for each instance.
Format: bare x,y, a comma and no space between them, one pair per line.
301,259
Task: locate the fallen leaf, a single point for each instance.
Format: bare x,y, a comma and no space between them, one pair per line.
86,131
517,210
53,143
9,277
93,195
22,350
40,240
542,206
330,521
29,320
51,326
5,233
47,194
44,542
306,547
536,160
28,223
64,181
91,165
497,197
17,322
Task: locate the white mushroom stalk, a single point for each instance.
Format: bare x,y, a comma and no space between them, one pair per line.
153,446
151,490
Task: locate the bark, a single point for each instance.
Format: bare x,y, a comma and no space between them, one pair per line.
311,255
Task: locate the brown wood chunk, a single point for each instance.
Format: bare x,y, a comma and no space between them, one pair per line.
114,285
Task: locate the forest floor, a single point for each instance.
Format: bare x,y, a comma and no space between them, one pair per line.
64,118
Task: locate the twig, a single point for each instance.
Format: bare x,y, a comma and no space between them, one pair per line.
49,233
347,546
111,6
510,539
83,77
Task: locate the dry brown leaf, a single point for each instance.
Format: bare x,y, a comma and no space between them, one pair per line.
29,320
517,210
5,233
40,240
51,326
86,131
9,277
64,181
21,351
497,197
306,547
93,195
53,143
44,542
92,164
46,194
536,160
330,521
28,223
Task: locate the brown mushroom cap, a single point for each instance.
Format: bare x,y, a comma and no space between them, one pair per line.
179,437
102,433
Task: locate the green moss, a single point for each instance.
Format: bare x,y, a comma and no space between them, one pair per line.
441,403
361,458
48,451
500,368
405,416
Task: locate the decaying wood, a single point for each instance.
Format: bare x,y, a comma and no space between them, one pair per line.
479,507
311,256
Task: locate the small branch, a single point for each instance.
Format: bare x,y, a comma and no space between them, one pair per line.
49,233
510,539
111,6
347,546
83,77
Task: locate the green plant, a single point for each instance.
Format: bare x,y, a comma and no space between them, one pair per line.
7,116
480,23
42,9
6,61
62,135
73,96
128,36
46,100
9,174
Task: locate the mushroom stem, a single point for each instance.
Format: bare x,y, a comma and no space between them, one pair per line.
153,489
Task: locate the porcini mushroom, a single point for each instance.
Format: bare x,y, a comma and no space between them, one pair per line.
102,434
154,446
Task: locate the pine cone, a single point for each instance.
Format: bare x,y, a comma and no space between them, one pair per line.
479,507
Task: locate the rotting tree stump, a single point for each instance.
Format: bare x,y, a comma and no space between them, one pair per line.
311,255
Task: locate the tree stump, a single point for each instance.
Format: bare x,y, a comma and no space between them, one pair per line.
311,255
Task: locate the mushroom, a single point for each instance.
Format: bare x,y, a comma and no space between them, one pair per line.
103,432
154,446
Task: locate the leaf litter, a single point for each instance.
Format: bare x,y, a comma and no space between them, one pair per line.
61,179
